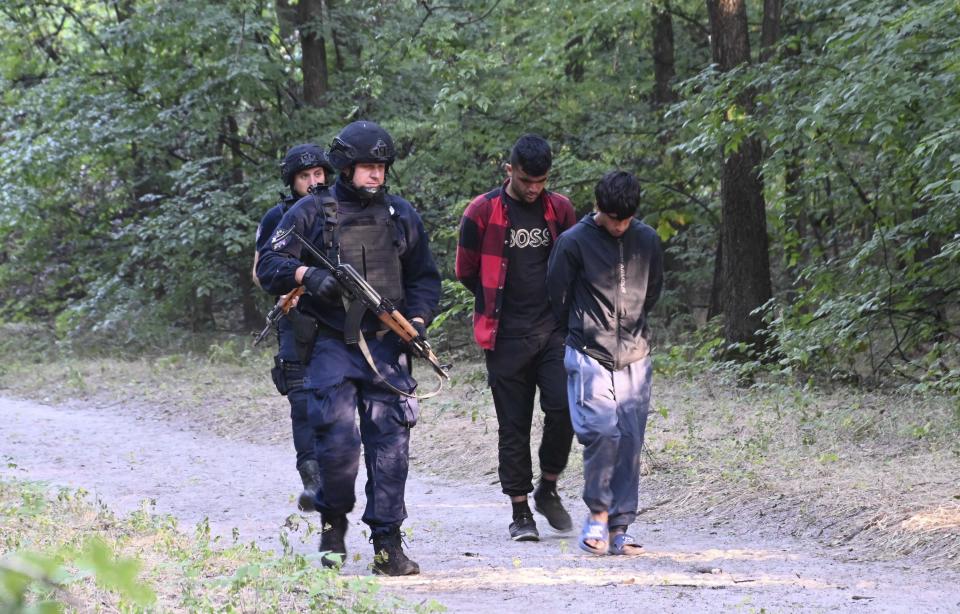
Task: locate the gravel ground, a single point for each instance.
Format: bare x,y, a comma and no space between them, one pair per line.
456,531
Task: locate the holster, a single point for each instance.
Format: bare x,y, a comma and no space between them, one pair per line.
286,375
305,334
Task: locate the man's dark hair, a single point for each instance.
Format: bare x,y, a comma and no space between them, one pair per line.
618,194
532,154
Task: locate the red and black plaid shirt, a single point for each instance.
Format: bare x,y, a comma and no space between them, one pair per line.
482,253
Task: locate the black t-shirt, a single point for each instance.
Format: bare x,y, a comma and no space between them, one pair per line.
525,309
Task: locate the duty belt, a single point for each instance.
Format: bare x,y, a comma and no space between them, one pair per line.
328,331
332,333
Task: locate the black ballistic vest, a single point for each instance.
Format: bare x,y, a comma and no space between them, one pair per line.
368,240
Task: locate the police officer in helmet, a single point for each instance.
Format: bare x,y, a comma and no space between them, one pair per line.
303,166
381,235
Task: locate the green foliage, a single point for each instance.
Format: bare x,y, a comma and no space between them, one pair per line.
872,221
114,574
459,303
138,150
62,555
230,351
860,124
35,582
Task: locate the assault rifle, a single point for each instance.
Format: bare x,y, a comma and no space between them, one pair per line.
284,304
361,296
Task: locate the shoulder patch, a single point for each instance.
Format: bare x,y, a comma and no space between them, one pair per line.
280,238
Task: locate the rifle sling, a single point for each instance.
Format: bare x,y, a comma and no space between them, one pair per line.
362,344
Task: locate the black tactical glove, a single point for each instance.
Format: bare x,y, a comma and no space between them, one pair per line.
421,328
322,285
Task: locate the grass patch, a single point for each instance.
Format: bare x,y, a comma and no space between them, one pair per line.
61,551
848,466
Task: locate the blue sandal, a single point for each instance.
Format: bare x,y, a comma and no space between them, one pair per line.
624,544
597,531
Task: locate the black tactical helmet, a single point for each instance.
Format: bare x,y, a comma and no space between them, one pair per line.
362,141
302,157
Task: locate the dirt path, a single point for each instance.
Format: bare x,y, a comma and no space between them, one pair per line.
458,532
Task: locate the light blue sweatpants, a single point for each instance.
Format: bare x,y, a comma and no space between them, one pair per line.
608,410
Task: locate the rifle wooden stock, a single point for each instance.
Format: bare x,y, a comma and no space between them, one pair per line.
283,306
399,324
288,300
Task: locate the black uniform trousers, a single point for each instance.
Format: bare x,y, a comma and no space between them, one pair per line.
291,384
515,369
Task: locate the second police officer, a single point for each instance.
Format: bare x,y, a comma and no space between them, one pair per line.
383,237
303,166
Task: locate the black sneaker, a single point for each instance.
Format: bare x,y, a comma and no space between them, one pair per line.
524,529
548,503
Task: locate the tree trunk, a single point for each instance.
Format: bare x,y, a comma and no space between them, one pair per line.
336,33
715,307
770,31
663,58
746,261
574,65
251,314
314,63
203,318
796,214
141,181
663,73
743,235
124,10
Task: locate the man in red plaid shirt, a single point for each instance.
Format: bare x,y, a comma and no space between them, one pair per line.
506,237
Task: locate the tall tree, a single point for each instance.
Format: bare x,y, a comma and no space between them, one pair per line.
743,236
663,58
770,30
314,48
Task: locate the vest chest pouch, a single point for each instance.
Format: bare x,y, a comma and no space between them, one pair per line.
368,241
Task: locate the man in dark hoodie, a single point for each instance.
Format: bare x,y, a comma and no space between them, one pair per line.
604,276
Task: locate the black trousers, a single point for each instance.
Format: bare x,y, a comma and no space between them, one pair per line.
515,369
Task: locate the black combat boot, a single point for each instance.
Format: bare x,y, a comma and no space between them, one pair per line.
309,474
388,556
331,540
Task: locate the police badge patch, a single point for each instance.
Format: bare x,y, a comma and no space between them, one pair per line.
280,238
